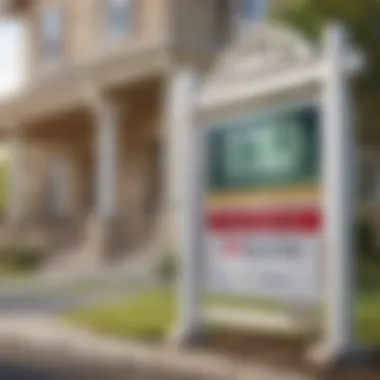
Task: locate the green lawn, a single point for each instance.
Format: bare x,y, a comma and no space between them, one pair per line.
147,317
368,318
151,315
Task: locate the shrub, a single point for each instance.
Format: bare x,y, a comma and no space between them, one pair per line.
21,258
368,274
368,255
366,243
167,267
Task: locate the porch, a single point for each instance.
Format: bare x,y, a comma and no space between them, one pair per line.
87,181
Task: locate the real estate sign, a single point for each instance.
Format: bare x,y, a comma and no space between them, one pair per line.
278,213
263,210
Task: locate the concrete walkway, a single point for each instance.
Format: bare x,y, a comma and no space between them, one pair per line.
138,267
59,292
65,347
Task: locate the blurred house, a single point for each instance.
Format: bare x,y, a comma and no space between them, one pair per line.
93,163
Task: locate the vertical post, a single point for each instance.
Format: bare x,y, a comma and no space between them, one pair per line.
16,179
339,164
61,185
77,183
107,160
101,227
183,96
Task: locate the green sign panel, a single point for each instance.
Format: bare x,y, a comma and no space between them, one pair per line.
277,149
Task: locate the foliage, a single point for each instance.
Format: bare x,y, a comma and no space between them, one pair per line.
367,318
302,15
368,255
368,274
20,258
362,18
167,267
366,242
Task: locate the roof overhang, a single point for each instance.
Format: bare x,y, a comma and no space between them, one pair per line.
68,88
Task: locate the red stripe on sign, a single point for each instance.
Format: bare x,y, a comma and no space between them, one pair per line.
295,220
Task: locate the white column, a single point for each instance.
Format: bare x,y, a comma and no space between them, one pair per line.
106,159
17,180
340,184
182,102
62,185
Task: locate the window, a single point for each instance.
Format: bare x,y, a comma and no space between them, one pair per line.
52,33
119,17
253,10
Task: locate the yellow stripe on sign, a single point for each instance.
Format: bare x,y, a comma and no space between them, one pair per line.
305,193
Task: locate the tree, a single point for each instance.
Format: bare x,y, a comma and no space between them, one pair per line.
362,18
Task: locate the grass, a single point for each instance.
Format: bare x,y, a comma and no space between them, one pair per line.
146,317
151,315
368,318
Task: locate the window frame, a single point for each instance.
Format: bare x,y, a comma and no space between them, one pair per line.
106,27
48,58
252,18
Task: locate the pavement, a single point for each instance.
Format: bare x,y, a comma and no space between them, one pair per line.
35,344
11,371
48,349
58,301
56,293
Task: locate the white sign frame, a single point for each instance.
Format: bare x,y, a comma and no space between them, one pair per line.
327,73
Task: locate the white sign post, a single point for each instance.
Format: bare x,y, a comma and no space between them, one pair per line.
183,94
339,199
321,76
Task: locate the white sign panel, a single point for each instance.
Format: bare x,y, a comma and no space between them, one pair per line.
269,249
277,266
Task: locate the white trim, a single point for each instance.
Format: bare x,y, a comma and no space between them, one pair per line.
218,95
182,118
339,198
106,158
17,177
311,101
